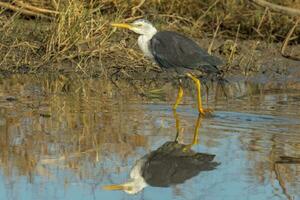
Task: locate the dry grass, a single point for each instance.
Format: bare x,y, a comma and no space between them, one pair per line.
79,37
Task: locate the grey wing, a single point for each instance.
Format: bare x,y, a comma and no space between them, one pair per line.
171,49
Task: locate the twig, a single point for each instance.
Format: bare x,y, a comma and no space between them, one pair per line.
23,11
234,46
130,19
277,8
214,37
174,16
286,41
36,9
27,44
208,9
261,21
135,8
54,4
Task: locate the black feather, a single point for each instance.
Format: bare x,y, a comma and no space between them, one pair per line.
173,50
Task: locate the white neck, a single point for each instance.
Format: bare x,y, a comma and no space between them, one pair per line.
143,42
137,182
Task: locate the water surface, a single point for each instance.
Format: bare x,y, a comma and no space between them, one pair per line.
65,138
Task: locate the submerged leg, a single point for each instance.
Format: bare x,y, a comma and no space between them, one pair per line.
196,134
202,111
179,96
196,131
177,125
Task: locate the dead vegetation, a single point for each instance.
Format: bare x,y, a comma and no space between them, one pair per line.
76,35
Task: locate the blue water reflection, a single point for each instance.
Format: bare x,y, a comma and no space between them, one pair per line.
77,150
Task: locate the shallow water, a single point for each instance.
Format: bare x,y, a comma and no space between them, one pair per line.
66,138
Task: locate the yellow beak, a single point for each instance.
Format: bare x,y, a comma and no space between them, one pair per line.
122,25
113,187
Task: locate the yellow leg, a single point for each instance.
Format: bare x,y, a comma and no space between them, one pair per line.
177,125
179,97
202,111
196,131
196,134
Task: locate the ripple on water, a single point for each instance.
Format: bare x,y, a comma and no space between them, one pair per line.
67,143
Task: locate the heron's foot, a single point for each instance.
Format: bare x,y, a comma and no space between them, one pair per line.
206,112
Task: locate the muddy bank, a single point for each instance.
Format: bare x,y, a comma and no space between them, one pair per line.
251,61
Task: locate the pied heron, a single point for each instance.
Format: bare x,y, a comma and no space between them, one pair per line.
171,50
172,163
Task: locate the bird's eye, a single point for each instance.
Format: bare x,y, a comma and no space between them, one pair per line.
139,25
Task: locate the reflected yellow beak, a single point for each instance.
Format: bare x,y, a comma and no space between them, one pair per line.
113,187
121,25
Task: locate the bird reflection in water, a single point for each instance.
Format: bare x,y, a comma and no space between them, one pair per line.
172,163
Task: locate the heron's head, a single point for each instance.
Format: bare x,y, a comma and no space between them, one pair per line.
132,187
140,26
